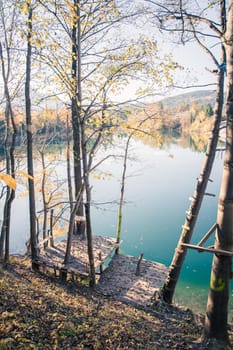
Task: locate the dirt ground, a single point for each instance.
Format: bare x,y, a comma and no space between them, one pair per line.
120,281
41,311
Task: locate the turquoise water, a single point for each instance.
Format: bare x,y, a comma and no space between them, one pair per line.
158,186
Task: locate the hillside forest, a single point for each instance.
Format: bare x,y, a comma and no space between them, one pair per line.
192,116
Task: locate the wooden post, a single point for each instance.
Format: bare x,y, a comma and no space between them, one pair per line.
80,226
35,265
51,240
55,271
137,273
100,259
63,274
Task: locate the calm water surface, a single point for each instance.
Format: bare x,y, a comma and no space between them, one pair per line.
158,187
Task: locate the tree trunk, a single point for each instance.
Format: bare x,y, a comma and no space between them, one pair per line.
76,104
9,145
76,117
86,170
168,289
216,313
119,222
6,213
69,181
71,226
32,206
121,201
45,203
89,239
11,197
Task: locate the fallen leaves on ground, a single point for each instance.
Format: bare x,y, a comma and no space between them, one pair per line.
39,312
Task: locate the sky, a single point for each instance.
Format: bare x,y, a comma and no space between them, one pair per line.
196,62
195,73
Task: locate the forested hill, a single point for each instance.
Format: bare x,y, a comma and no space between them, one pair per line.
201,97
183,112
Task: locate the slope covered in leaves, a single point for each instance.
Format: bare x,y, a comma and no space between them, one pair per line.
39,312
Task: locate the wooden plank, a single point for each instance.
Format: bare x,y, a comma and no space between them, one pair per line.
46,265
98,273
77,273
61,269
44,241
102,260
207,235
208,249
210,194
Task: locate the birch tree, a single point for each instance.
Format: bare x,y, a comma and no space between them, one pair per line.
217,305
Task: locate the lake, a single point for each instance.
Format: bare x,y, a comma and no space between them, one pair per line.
160,181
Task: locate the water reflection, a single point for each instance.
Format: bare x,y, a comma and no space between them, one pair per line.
195,141
161,176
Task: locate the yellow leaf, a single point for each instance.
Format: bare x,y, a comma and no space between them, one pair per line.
24,173
9,181
25,9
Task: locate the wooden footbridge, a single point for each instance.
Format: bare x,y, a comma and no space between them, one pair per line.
125,278
52,257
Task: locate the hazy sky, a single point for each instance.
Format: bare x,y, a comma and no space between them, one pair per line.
196,62
191,55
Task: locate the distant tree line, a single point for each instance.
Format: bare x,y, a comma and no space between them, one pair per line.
51,123
184,118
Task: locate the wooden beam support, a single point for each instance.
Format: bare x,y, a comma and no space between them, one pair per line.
208,249
207,235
